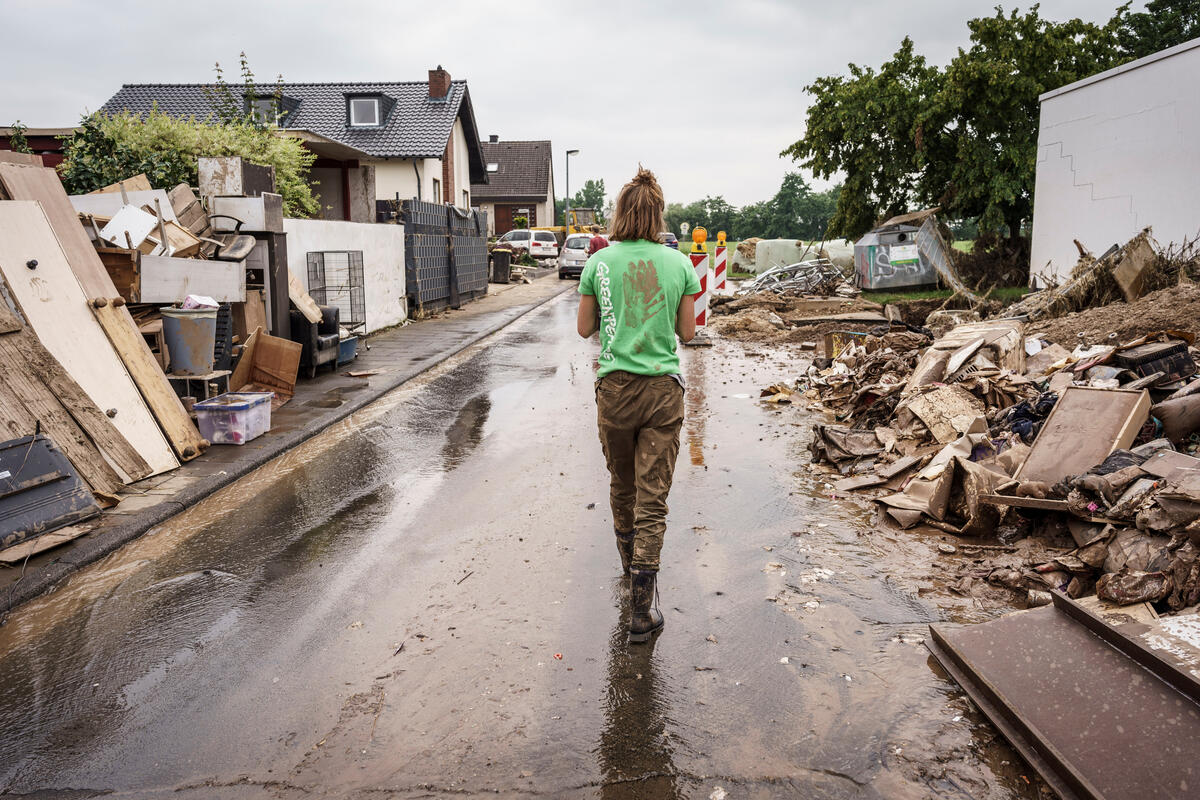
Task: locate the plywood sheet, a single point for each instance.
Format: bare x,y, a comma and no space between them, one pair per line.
13,157
148,376
138,183
42,184
57,309
1085,426
166,279
108,204
302,300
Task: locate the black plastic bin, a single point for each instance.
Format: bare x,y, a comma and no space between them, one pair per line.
501,266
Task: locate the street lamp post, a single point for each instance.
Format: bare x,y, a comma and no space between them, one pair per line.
567,211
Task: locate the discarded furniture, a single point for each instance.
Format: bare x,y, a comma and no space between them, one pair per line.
268,364
1079,695
39,490
1085,426
204,386
320,340
233,176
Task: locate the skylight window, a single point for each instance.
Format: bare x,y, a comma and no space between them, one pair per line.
364,111
493,166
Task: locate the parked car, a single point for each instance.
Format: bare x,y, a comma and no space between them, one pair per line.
574,255
669,240
539,244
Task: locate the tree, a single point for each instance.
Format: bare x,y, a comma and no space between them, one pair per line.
1164,23
17,142
984,117
590,196
106,149
867,126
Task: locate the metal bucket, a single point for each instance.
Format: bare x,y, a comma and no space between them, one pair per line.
191,336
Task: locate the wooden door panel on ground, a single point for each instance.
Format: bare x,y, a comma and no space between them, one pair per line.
57,309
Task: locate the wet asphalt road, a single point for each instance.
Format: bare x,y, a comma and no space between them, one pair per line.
424,601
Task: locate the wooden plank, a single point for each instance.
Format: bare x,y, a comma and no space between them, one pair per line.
25,400
9,320
94,422
107,205
42,184
57,309
40,544
26,159
138,183
165,279
301,299
124,267
1085,426
148,376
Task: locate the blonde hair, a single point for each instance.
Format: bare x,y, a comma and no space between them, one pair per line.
639,211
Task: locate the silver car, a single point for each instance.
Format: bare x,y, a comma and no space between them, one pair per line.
574,255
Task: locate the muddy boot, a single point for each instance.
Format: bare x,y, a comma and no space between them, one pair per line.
625,548
646,619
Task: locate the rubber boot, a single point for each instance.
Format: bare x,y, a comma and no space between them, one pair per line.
625,548
646,619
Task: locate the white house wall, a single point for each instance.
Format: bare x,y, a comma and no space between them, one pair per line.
462,166
1117,153
395,176
382,247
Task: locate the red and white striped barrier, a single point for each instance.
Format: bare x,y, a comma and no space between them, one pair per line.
700,263
719,261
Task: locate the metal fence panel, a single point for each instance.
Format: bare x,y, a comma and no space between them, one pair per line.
445,254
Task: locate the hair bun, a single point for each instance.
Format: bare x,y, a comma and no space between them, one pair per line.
644,177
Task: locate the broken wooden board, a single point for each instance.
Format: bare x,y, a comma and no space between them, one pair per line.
858,482
42,184
268,364
165,279
56,309
25,159
1134,263
40,544
1085,426
148,376
301,299
108,204
948,411
28,397
138,183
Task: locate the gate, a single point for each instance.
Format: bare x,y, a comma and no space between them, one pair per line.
445,255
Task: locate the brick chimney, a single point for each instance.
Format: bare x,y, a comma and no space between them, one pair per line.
439,83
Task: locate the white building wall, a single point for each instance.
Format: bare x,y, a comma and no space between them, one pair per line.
395,175
382,247
1118,152
462,166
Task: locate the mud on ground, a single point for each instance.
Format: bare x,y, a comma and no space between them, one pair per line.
1177,308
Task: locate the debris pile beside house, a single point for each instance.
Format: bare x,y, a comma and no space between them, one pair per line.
126,312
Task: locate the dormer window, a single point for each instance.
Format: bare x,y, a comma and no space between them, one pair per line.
364,112
266,111
493,166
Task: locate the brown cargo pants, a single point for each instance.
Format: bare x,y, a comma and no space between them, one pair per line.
639,418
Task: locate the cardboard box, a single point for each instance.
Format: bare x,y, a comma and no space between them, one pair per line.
268,364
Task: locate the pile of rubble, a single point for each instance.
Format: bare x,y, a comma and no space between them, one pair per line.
986,430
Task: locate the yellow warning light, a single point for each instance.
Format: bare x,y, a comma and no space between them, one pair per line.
699,237
720,238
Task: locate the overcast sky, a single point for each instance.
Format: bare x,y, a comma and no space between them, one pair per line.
706,93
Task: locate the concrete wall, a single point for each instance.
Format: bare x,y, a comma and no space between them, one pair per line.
382,247
1117,153
328,191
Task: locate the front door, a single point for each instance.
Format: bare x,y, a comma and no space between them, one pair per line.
504,216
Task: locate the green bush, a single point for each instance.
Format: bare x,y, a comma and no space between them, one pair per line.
108,149
520,222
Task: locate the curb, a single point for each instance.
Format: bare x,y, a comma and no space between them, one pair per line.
109,540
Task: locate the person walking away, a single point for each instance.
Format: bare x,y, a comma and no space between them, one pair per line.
639,295
597,241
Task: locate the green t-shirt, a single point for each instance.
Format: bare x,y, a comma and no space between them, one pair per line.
638,285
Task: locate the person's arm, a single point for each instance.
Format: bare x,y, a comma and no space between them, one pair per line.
587,321
685,318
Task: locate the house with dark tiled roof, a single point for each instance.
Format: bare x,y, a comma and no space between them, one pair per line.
520,183
374,142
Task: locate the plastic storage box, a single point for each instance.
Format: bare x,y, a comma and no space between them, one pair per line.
347,350
235,417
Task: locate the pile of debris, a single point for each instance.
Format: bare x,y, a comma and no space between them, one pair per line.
816,277
987,429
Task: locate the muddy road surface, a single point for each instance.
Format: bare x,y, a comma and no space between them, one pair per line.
425,601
